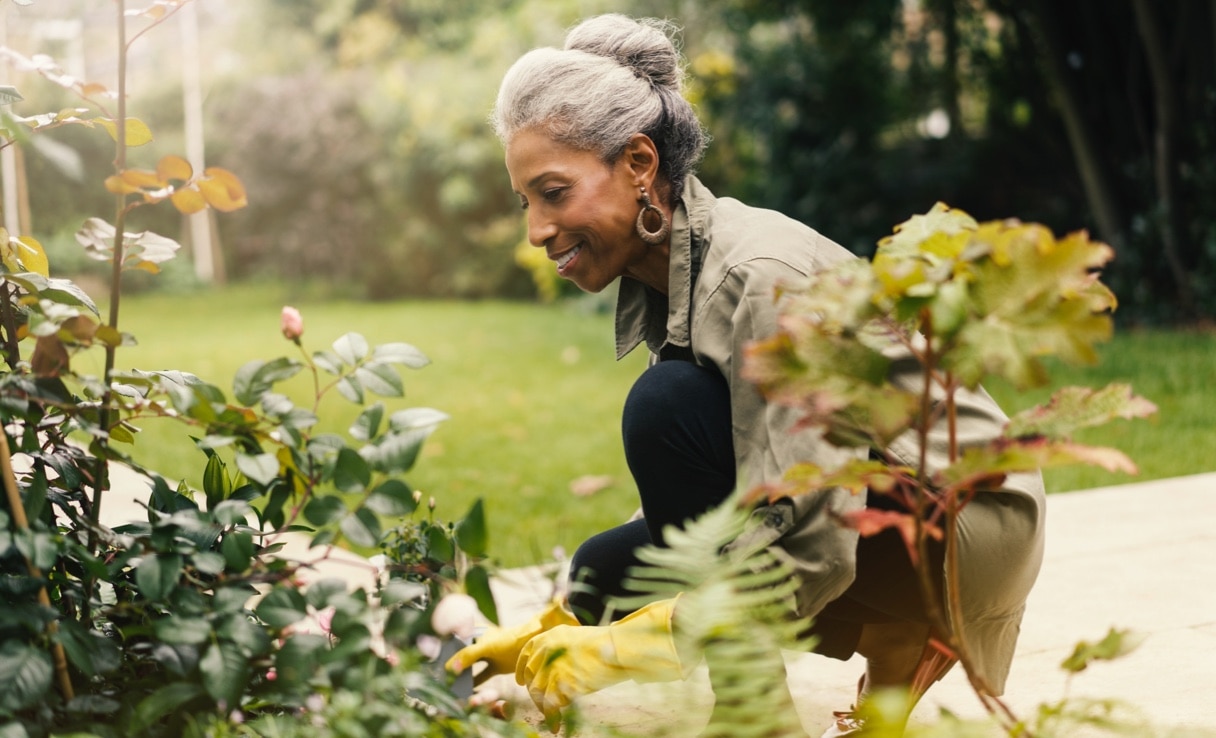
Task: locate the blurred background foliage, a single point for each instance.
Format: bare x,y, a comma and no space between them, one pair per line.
359,128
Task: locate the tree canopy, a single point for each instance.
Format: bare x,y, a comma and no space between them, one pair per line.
360,129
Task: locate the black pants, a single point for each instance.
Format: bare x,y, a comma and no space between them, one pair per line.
677,433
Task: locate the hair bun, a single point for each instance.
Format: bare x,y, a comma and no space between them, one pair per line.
644,46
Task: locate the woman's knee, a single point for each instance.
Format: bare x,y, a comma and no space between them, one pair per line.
668,396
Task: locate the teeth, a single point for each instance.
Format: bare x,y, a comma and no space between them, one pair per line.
565,258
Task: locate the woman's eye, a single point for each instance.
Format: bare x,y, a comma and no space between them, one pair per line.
523,204
553,194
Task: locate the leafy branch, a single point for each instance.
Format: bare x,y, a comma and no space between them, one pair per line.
880,354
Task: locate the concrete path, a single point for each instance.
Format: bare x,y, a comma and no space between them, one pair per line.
1140,557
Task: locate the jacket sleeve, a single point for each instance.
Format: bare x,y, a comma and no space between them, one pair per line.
738,310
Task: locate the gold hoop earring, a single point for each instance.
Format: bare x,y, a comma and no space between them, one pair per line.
658,235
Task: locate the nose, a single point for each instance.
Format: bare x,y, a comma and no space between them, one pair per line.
541,229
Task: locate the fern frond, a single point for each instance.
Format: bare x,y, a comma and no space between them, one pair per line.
736,610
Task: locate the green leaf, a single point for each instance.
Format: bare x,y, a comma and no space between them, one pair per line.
225,673
38,547
282,607
324,510
157,575
381,379
393,497
256,378
416,417
216,484
400,353
401,591
25,675
328,361
88,650
1116,643
208,562
238,550
439,546
261,468
396,452
168,699
182,631
351,348
350,388
477,584
8,93
351,471
1073,408
299,658
367,425
320,591
250,637
362,528
471,531
244,383
231,512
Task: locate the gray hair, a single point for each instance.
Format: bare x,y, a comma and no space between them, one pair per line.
616,77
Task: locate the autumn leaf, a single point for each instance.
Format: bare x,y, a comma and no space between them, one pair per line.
980,466
1073,408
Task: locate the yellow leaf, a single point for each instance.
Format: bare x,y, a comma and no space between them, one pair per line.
116,184
189,201
121,434
32,255
174,167
7,252
89,89
222,190
137,131
109,336
146,266
142,178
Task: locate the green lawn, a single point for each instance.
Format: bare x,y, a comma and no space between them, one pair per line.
534,396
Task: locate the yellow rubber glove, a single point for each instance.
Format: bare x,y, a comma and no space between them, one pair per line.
500,647
566,663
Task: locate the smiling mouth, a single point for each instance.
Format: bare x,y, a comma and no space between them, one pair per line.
564,260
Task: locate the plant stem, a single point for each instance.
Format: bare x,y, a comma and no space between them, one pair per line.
18,511
101,481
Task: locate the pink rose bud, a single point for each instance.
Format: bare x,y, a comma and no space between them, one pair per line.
456,614
292,323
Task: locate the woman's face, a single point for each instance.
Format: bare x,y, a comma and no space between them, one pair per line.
580,210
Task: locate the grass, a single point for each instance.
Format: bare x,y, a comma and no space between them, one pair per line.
534,396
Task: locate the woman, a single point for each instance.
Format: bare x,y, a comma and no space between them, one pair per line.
600,147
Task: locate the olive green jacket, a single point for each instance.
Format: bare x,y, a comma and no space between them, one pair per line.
743,253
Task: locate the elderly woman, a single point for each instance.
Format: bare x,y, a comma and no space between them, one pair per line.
601,147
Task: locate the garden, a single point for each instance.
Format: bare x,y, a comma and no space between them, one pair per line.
452,439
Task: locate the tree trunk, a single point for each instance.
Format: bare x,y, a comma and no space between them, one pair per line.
1098,192
1165,155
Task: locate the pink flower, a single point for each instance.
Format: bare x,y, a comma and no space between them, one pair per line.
456,614
325,619
291,323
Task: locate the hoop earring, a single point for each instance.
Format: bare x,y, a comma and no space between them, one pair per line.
659,235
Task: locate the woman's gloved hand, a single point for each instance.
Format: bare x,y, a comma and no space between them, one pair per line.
500,647
565,663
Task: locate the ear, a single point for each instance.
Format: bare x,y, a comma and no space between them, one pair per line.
641,156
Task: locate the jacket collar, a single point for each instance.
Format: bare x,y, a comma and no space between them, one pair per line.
644,314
